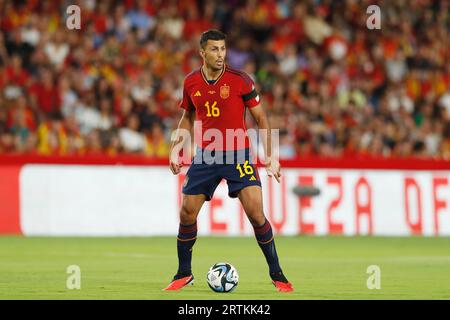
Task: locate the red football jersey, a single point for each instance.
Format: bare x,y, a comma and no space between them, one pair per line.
219,106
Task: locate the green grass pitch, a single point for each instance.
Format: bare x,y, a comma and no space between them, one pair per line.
138,268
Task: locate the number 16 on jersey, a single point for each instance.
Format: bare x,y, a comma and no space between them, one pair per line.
212,111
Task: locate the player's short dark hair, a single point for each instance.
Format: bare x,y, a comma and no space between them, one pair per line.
211,34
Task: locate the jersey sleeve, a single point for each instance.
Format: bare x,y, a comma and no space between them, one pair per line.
186,102
249,94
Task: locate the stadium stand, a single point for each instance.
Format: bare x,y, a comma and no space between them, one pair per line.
335,88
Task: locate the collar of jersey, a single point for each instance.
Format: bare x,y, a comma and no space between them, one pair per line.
217,80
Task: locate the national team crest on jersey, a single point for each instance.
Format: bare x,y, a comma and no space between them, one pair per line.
224,91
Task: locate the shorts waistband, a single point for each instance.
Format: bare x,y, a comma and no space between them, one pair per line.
222,156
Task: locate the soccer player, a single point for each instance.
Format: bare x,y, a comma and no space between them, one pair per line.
218,96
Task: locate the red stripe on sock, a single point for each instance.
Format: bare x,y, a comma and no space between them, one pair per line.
187,229
185,240
263,229
265,242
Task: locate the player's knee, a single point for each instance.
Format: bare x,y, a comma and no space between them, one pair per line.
187,215
255,215
257,220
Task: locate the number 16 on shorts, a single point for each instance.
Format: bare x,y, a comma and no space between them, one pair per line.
244,169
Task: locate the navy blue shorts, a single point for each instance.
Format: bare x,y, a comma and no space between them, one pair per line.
209,168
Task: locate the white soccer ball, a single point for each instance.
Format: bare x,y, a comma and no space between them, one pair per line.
222,277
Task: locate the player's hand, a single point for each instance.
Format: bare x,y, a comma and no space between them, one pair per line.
273,168
175,165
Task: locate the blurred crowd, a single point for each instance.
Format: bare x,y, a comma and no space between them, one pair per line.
332,86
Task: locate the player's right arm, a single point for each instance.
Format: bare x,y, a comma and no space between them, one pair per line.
179,139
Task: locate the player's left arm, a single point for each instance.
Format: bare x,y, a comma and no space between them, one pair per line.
272,165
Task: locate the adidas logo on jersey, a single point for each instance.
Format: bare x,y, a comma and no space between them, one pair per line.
197,94
252,178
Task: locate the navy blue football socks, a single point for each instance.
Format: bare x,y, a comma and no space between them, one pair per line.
187,234
264,236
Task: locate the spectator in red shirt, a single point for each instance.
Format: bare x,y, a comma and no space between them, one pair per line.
44,94
16,75
195,24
